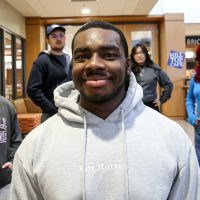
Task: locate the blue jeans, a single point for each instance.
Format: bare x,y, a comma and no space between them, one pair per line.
197,140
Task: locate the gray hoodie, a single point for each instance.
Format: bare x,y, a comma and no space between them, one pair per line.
135,153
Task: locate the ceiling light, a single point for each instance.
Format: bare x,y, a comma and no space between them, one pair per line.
85,10
82,0
7,46
190,54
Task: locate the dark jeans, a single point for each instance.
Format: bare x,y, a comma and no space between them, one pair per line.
152,105
197,140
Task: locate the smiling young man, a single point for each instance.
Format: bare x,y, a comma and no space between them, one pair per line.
50,69
104,143
100,70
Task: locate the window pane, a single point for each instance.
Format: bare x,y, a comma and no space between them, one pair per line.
144,37
8,73
19,68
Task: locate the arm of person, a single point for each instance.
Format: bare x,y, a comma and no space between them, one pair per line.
34,89
187,182
157,102
190,104
15,133
167,86
23,185
7,164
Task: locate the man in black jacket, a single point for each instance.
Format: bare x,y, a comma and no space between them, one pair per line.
10,139
49,70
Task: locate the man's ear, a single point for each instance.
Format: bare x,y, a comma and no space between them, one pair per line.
128,66
47,40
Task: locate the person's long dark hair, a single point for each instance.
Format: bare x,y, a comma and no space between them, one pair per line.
197,69
148,62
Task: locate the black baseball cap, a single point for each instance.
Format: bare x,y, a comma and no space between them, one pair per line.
54,27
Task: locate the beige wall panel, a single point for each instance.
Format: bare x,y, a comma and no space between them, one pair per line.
11,19
192,29
35,43
173,38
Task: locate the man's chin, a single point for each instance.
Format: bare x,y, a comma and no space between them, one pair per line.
99,99
58,49
107,97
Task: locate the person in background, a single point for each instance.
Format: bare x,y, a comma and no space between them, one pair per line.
10,139
148,75
193,103
107,143
49,70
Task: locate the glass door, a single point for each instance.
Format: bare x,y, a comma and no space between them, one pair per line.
19,69
146,34
12,69
8,66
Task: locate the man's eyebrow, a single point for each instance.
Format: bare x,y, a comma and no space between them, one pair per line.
109,47
103,47
81,49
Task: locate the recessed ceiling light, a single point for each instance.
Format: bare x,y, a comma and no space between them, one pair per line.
82,0
85,10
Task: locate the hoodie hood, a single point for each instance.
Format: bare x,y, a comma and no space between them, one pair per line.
66,98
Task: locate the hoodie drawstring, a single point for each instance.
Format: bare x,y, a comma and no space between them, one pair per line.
84,156
126,169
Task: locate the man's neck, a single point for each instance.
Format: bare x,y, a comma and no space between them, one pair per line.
102,110
56,52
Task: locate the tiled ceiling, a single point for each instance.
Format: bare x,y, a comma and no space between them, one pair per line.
72,8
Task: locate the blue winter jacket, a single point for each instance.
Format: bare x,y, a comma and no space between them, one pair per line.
193,101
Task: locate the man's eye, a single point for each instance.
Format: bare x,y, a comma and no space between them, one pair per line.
81,58
110,56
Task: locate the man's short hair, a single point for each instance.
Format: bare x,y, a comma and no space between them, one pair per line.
103,25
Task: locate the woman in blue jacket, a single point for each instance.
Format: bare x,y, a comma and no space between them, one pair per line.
193,103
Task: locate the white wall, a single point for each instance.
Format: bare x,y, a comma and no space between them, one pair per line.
12,19
190,8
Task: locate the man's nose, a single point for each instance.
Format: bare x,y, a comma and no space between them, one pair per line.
95,61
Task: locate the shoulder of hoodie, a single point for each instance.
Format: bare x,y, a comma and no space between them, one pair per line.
7,105
40,137
46,53
168,128
6,102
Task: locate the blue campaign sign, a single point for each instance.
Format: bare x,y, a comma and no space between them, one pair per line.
176,59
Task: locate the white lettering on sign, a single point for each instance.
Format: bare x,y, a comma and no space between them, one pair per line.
193,41
176,59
